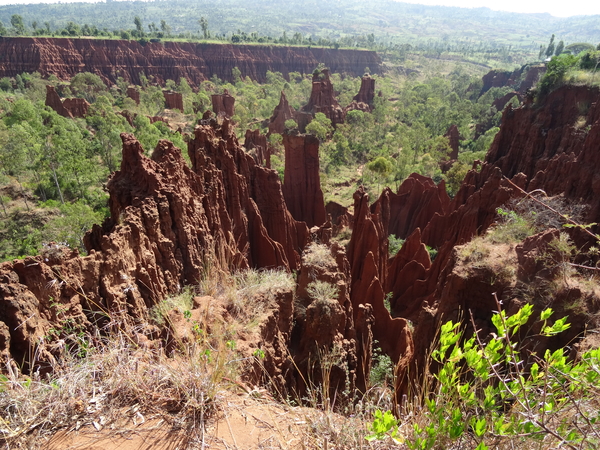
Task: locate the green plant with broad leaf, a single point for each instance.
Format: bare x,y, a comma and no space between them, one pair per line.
492,388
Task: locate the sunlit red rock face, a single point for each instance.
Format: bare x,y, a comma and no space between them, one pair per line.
170,60
173,100
69,107
520,80
322,99
363,101
260,222
302,186
555,144
256,144
133,94
282,112
551,146
223,104
167,219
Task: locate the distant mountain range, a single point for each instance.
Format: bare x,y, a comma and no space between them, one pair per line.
387,20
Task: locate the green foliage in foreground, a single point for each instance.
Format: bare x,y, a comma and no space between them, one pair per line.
494,389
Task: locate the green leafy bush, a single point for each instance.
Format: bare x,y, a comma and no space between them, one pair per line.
556,70
494,389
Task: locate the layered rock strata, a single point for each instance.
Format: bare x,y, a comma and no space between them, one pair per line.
322,99
302,186
69,107
282,112
223,104
173,100
161,61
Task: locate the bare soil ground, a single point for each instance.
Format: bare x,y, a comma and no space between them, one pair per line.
243,423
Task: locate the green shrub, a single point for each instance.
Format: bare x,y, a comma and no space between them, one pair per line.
556,70
487,391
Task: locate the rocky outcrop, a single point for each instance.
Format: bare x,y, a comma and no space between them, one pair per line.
77,107
256,144
259,219
223,104
69,107
363,101
302,186
339,215
555,145
520,80
64,58
173,100
368,254
54,101
453,136
324,324
282,112
501,102
322,99
417,201
167,223
133,94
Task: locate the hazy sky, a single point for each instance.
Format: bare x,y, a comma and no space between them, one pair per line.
559,8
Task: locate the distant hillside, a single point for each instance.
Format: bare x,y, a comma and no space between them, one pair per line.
387,20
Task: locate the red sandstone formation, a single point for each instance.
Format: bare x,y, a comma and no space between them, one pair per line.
339,215
328,322
257,214
53,101
170,60
363,101
368,254
256,144
69,107
77,107
167,219
501,102
166,222
133,94
302,186
454,139
417,201
282,112
521,79
223,104
173,100
553,146
322,99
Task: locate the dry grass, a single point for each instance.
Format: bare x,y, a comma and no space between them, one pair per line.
252,291
322,291
116,383
318,255
119,377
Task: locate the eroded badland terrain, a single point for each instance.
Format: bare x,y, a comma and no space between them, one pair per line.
224,304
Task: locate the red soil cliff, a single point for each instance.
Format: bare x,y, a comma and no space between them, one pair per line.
322,99
170,60
301,186
69,107
282,112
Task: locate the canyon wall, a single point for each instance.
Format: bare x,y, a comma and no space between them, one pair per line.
170,60
168,221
